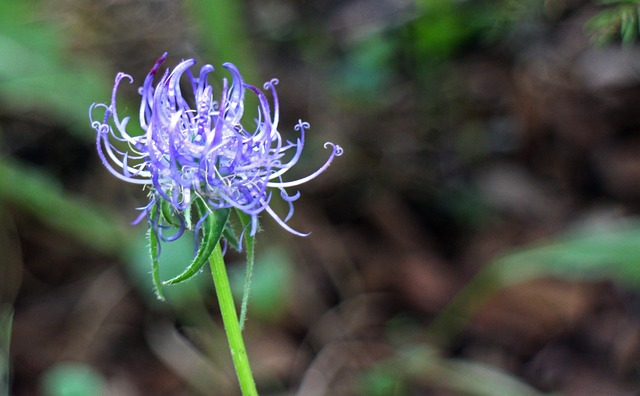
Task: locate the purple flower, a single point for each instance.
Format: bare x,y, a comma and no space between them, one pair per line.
198,147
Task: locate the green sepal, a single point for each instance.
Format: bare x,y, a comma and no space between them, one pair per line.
249,243
230,235
212,229
167,213
154,251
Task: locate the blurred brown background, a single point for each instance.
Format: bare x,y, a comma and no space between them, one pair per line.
470,128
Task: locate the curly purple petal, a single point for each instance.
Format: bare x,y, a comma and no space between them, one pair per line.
197,147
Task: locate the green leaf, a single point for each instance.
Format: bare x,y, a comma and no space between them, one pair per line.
154,251
168,214
211,233
231,237
172,260
249,242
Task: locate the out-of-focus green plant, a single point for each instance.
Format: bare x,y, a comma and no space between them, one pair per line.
512,18
37,75
35,193
223,32
271,277
619,20
73,379
423,366
365,71
590,254
442,27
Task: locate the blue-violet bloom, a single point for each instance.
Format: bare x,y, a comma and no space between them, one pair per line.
197,147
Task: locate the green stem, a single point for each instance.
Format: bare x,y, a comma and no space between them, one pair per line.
231,325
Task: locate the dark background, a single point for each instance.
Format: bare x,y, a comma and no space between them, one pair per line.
476,238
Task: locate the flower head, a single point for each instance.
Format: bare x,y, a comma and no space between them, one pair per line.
196,146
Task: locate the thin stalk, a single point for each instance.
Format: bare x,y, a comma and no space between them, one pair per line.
231,324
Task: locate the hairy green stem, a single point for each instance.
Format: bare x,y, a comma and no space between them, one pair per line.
231,324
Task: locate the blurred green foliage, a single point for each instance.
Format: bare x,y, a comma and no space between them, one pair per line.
38,194
270,290
437,31
442,27
585,254
619,20
73,379
366,70
36,75
222,31
422,364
